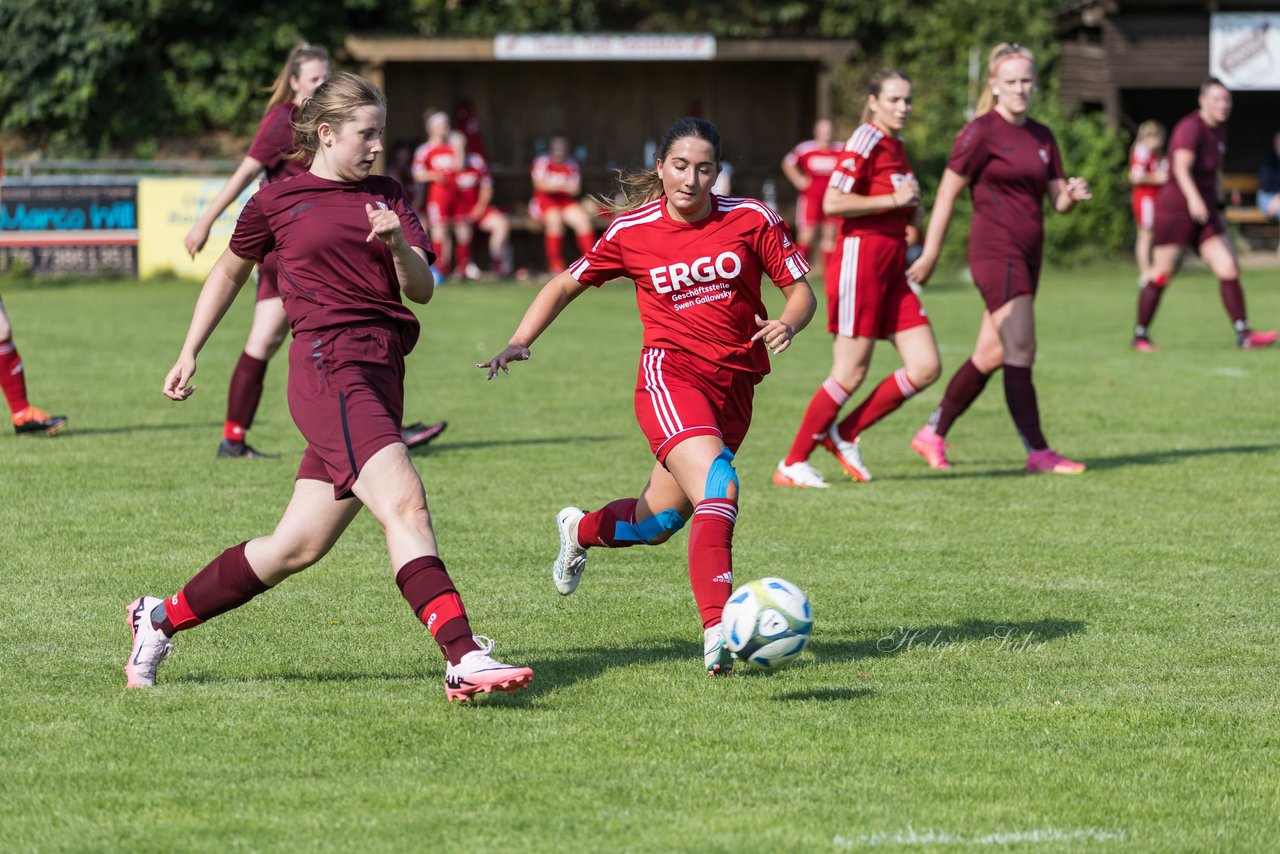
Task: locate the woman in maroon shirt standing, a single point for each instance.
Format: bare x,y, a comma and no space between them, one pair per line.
1010,163
348,244
1187,218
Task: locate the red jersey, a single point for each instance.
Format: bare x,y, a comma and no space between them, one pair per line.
816,161
562,174
274,142
873,164
329,275
1209,145
469,180
1143,163
698,283
1009,168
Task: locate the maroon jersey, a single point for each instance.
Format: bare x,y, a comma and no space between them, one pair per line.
873,164
1209,145
274,142
698,283
1009,168
329,275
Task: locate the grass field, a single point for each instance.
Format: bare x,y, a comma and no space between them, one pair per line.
998,660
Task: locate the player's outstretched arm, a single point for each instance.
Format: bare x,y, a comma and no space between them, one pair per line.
226,278
546,306
796,314
939,221
245,173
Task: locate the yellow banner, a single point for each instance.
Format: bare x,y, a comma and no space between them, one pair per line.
167,208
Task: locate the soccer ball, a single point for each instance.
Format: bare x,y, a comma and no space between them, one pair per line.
767,622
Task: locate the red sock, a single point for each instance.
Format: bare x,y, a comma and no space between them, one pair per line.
599,527
585,242
427,588
965,386
711,556
12,379
892,392
1020,394
243,395
555,259
461,256
226,583
1233,302
824,406
441,263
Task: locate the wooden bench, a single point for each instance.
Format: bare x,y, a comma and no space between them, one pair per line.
1254,226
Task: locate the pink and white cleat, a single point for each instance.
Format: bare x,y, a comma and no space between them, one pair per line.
150,645
1050,461
932,447
1257,340
847,454
799,474
479,673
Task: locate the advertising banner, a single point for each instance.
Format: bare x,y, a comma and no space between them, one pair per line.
168,207
604,46
1244,50
69,229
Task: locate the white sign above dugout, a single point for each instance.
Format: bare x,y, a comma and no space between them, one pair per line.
623,47
1244,50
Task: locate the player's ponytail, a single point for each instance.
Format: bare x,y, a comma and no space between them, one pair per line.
640,188
282,90
334,103
876,84
999,54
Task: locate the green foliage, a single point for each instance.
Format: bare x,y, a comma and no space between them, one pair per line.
1102,227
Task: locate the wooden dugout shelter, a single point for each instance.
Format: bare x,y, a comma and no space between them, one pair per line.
764,94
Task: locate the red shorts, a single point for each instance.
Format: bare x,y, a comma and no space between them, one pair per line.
867,291
539,205
1144,212
1001,279
346,394
809,211
679,396
268,276
440,203
1177,228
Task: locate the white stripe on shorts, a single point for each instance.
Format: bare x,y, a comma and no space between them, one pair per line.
663,407
848,292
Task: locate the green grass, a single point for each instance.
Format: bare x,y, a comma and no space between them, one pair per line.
1133,704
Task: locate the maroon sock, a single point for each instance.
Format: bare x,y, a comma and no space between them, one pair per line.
429,590
12,380
965,386
226,583
711,556
600,527
1148,301
1233,302
243,395
893,391
1020,394
821,413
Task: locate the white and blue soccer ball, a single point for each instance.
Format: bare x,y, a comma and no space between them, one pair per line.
767,622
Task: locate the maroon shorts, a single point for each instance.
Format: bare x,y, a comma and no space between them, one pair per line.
867,291
268,278
1177,228
679,396
1001,279
346,394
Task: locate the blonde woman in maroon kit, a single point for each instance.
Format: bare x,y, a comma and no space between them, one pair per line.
349,245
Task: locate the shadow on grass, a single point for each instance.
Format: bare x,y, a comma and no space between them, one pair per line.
73,431
1148,458
973,635
447,445
827,695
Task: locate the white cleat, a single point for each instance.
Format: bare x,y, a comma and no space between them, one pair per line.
715,654
799,474
847,454
150,645
566,572
479,673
